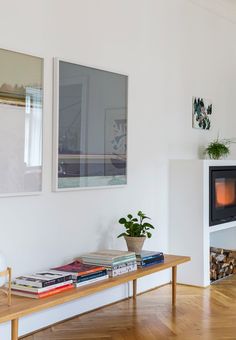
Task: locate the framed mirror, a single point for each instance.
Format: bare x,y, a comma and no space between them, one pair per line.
90,127
21,113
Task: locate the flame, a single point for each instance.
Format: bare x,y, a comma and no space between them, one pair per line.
225,193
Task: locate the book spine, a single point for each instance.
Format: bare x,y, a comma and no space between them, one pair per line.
109,264
30,289
116,263
28,283
43,284
124,265
120,271
108,258
56,291
55,281
90,277
151,257
146,264
148,259
93,273
90,271
124,258
24,294
79,273
42,295
81,284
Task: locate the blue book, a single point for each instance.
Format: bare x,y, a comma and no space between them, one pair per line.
147,258
148,263
148,254
91,276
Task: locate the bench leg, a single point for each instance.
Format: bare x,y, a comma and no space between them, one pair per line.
174,275
134,289
14,329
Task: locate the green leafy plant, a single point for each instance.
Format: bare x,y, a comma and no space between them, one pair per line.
218,148
136,226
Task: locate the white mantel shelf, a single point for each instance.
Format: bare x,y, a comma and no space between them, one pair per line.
223,226
189,217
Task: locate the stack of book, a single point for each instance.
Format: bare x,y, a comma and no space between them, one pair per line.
42,284
148,258
116,262
83,274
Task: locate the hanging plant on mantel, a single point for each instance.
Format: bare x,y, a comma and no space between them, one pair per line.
219,148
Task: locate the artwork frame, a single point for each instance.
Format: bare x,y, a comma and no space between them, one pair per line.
201,113
85,183
22,101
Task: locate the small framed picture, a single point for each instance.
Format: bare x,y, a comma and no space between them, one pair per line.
201,115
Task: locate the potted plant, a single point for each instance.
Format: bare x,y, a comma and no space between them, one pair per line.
218,148
137,230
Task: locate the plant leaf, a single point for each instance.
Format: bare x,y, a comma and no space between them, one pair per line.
148,225
122,220
123,234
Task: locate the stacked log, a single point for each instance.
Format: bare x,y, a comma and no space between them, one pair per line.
222,263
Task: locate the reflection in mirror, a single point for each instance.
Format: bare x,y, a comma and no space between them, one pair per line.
92,127
21,105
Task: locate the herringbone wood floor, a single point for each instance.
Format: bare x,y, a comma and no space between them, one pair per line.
204,314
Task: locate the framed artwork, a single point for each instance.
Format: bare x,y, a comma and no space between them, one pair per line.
90,127
201,115
21,112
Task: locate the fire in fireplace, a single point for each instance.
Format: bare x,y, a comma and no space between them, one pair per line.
225,192
222,194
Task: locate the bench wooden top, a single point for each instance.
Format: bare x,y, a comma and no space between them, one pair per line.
22,306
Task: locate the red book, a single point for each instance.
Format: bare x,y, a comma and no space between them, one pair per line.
78,268
44,294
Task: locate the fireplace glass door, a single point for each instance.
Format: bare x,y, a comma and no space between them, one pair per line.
222,194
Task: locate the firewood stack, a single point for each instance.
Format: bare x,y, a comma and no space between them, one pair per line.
222,263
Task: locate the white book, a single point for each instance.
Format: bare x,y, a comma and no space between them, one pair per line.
28,288
122,270
43,279
122,265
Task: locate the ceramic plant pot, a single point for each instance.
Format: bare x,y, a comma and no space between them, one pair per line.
135,243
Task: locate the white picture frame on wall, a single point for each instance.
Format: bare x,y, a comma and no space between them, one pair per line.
83,97
21,123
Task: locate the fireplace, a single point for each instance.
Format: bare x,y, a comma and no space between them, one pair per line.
222,194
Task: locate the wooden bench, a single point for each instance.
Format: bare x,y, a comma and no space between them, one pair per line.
24,306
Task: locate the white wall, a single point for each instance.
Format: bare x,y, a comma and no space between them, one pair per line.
172,50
